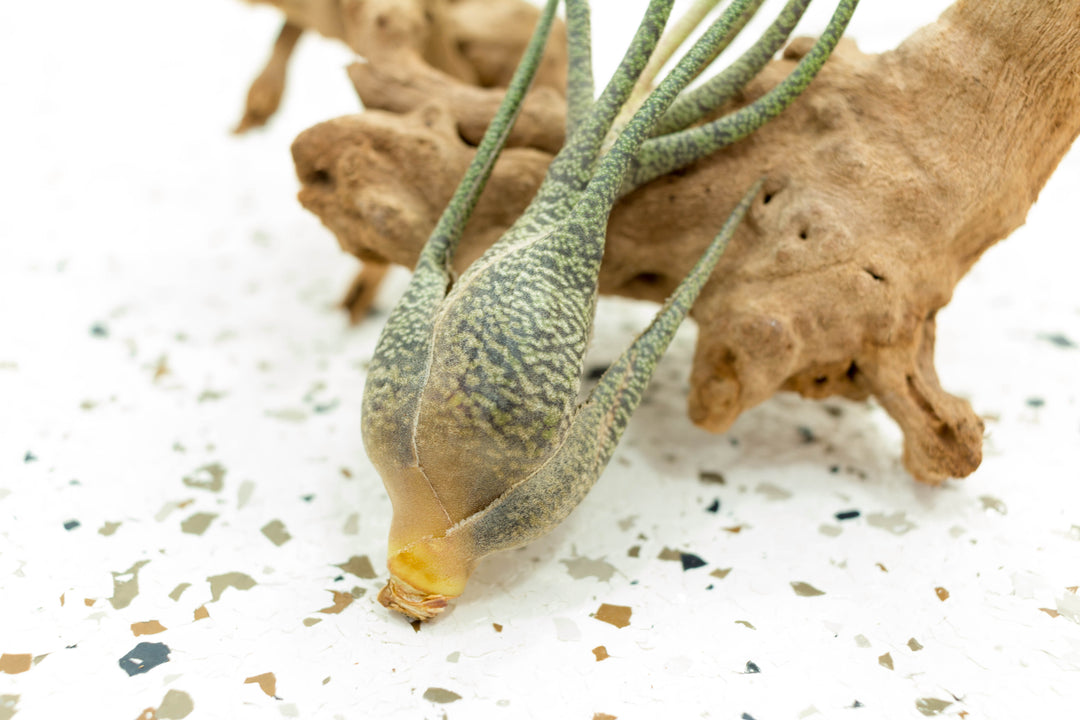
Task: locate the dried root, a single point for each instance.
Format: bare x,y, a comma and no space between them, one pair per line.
888,179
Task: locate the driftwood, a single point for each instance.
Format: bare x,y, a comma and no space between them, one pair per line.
470,45
887,180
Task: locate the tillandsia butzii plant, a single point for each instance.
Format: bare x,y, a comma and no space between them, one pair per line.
471,412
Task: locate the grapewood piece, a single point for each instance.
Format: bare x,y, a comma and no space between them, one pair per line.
888,178
459,44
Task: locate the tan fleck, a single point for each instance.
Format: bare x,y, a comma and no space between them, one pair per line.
15,664
149,627
747,623
201,613
670,555
1051,612
914,644
942,593
720,573
885,661
342,600
617,615
266,682
360,566
600,652
108,528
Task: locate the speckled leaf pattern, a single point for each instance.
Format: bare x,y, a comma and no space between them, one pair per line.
471,407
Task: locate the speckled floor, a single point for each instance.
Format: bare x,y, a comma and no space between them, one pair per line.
189,526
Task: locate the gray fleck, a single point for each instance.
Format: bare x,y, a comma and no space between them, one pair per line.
219,583
772,492
803,589
931,706
352,525
276,533
566,630
440,695
583,567
243,495
295,415
208,477
896,523
126,585
197,523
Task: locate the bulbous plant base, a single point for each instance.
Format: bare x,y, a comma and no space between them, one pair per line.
398,595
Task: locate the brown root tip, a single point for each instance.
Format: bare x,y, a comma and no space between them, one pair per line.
412,603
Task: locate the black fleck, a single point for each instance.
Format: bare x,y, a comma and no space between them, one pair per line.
751,667
847,514
1058,339
715,507
709,587
307,498
1035,402
807,434
747,716
834,469
857,704
29,457
144,657
71,524
326,407
596,372
99,330
691,561
339,578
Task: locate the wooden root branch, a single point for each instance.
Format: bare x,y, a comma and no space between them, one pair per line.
887,180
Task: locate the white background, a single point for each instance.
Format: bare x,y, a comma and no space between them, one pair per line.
126,205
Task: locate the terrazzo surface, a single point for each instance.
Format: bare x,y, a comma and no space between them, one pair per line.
189,527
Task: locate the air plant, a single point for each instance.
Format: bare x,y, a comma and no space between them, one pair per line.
471,412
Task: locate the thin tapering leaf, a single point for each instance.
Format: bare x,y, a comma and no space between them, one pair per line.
672,39
734,19
572,168
610,173
579,76
664,154
447,232
695,104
